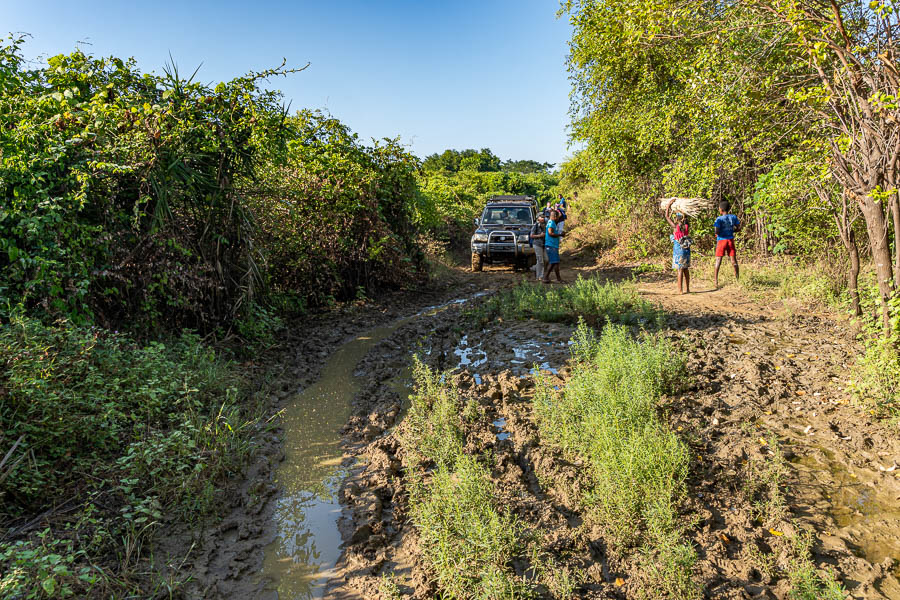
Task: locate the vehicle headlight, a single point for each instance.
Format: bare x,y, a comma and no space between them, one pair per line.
480,237
523,237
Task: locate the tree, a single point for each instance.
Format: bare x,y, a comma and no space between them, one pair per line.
851,48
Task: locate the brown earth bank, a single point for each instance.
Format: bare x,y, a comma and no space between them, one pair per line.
765,382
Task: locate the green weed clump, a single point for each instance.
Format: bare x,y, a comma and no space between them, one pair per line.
607,415
806,582
587,298
125,432
467,539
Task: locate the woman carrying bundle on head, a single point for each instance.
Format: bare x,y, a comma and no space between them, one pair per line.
681,247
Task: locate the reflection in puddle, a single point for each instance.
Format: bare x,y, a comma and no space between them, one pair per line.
306,548
307,545
500,424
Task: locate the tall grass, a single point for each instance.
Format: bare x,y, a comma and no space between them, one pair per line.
466,538
607,415
588,298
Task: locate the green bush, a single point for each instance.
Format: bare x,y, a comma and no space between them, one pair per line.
466,538
80,396
607,415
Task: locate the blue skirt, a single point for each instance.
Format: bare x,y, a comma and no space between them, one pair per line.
552,255
681,258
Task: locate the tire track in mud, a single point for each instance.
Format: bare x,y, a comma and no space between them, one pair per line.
223,560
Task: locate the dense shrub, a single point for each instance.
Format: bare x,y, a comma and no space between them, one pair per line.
152,200
81,399
336,218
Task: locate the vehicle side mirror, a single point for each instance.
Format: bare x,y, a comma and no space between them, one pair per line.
476,221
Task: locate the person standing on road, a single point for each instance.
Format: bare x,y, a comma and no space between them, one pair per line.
726,225
681,248
538,233
551,244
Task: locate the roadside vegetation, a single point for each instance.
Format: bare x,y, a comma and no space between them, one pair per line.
466,538
586,298
154,231
727,81
109,439
607,416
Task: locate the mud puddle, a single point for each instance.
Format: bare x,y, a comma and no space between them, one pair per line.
301,559
864,509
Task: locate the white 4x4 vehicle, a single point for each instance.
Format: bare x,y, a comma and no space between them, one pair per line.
501,234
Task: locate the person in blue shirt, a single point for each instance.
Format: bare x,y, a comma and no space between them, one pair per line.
727,225
551,245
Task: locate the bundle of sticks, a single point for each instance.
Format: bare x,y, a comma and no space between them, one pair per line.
688,206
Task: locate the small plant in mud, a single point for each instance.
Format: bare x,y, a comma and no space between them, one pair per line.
453,501
588,298
562,581
388,589
808,583
607,415
764,485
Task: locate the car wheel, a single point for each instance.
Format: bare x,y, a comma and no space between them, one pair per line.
476,263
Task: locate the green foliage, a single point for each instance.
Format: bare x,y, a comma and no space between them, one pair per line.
46,569
138,430
795,219
588,298
688,99
877,378
452,198
337,216
158,201
82,398
806,582
453,161
118,188
607,416
764,486
810,283
454,504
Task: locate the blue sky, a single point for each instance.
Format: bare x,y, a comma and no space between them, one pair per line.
440,74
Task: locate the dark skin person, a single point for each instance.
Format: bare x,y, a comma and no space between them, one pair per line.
684,275
737,271
551,231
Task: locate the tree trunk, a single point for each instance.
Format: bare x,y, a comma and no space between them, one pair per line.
876,225
853,276
895,217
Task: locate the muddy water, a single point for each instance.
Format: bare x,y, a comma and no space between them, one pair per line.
299,562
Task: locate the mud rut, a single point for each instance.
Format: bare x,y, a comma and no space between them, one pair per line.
757,371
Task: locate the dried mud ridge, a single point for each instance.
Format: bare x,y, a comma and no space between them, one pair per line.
753,377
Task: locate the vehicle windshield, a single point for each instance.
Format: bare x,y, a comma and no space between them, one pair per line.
509,215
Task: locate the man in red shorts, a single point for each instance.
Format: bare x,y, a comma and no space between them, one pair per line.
727,225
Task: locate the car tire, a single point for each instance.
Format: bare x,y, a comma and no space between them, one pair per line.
477,265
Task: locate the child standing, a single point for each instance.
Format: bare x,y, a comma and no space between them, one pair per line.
727,225
681,248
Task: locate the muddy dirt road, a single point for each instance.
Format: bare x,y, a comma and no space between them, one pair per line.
325,514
